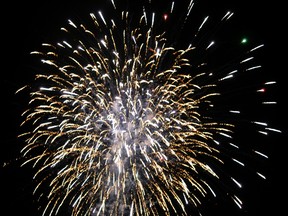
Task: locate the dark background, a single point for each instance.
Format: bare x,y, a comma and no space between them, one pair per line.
24,26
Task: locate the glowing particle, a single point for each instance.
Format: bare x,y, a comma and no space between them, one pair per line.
244,40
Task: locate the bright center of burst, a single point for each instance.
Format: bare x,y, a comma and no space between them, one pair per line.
131,137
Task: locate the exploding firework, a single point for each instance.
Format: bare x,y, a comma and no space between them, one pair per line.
124,122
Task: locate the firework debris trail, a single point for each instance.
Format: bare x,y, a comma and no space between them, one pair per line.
121,121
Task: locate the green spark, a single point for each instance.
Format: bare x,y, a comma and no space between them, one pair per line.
244,40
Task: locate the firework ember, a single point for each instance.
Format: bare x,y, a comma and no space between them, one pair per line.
124,123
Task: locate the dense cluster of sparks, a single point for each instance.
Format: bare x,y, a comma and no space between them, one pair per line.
121,121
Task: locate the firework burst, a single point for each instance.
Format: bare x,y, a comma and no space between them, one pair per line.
124,123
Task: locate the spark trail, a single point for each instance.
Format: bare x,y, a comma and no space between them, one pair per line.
124,123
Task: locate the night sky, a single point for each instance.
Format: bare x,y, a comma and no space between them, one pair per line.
24,26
